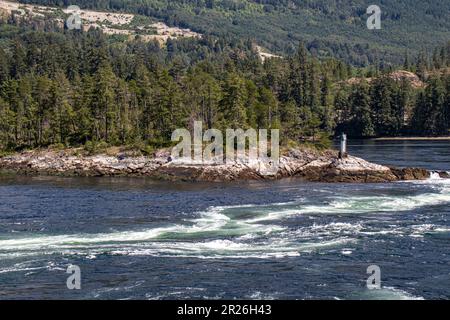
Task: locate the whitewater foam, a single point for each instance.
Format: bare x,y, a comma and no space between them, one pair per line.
389,293
242,230
435,176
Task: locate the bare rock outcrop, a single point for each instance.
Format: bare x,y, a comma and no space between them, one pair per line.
398,76
307,164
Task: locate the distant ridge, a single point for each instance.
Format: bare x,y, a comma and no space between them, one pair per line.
329,28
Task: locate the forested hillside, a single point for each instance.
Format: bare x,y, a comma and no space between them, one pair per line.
74,88
328,27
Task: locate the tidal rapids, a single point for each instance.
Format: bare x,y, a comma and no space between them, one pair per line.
139,239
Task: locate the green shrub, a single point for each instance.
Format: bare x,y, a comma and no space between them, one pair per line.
94,147
57,146
324,142
4,153
147,150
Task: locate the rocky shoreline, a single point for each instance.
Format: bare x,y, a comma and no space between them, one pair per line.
307,164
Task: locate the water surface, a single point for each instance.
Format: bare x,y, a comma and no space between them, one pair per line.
140,239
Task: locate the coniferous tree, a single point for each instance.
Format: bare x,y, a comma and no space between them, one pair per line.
362,123
232,104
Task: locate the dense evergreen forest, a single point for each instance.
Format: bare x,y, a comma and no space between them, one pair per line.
74,88
329,28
